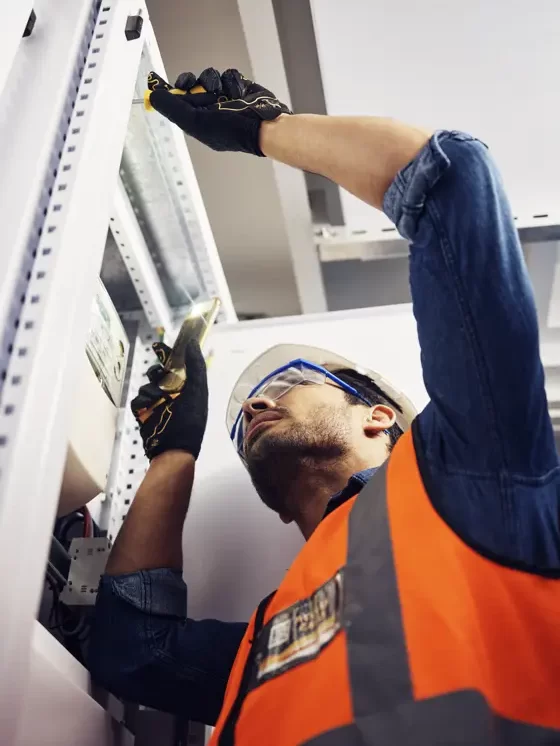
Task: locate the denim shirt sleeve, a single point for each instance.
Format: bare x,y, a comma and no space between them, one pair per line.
486,435
144,649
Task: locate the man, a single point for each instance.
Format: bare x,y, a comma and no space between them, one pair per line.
424,605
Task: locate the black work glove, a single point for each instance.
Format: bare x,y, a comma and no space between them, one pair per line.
173,421
225,115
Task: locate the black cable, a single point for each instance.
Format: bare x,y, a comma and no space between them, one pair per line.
57,622
63,526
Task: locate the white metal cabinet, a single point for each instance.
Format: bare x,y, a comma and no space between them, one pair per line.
61,148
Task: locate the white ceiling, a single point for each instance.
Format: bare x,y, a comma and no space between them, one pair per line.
253,213
453,65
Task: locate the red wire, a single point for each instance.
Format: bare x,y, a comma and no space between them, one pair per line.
88,524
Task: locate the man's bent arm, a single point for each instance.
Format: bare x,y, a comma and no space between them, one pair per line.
142,645
488,418
151,535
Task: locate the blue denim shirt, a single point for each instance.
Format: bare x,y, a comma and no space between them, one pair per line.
484,443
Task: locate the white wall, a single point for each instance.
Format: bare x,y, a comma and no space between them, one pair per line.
486,66
236,550
360,284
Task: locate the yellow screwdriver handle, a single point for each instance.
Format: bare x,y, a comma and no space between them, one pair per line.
176,91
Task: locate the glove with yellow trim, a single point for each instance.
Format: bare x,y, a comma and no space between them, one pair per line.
222,111
173,421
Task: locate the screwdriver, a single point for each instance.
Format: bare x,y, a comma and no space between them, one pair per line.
175,91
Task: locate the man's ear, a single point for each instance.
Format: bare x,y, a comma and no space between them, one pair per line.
285,518
381,417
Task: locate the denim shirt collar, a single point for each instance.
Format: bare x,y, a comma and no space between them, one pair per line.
355,484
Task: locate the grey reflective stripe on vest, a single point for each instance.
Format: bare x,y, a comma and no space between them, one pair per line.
372,613
385,713
458,719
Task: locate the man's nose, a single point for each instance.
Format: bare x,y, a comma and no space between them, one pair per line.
255,405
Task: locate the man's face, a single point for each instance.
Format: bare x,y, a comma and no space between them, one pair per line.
310,426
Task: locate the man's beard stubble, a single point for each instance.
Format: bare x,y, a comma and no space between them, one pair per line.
279,462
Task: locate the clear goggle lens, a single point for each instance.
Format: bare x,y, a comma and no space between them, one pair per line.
283,382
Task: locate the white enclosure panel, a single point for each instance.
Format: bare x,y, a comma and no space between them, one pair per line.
29,143
58,709
236,550
14,19
489,67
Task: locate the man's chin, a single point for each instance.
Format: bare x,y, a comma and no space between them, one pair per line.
265,437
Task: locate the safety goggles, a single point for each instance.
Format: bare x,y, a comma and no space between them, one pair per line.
295,364
283,379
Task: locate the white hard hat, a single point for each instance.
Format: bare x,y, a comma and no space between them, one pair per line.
278,358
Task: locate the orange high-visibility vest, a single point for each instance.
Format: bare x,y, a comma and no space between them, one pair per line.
389,629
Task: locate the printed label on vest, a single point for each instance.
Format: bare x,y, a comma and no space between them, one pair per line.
298,633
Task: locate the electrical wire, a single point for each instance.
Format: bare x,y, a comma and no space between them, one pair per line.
88,523
56,621
63,526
